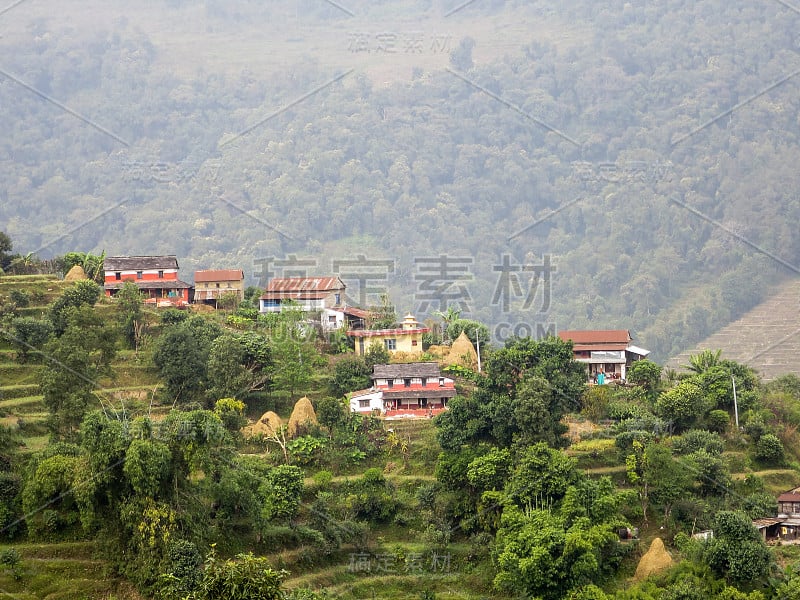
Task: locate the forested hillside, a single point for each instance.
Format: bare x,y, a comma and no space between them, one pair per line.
648,149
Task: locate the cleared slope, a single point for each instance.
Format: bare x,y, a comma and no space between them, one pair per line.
766,338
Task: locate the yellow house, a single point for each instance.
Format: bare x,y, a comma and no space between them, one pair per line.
209,286
407,338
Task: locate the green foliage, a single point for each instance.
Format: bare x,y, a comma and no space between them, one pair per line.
78,358
718,420
130,314
350,374
683,404
231,412
29,336
529,386
541,476
769,449
11,558
181,356
82,292
475,330
376,354
698,439
737,551
645,373
246,577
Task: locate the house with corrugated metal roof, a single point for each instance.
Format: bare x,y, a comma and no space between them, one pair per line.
324,295
607,353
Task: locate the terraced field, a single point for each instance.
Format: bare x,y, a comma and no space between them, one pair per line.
766,338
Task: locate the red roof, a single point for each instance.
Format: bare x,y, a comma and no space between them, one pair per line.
302,288
789,497
597,336
218,275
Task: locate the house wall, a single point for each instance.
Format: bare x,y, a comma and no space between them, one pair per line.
375,402
202,289
147,275
404,342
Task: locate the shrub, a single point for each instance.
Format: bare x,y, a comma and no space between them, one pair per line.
769,449
718,420
11,558
698,439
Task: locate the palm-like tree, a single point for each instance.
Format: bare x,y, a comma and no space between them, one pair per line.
700,363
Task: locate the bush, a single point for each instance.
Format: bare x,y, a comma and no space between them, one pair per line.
11,558
20,298
769,449
698,439
718,420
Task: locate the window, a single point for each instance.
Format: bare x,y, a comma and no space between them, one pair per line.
117,275
441,381
391,344
161,274
413,342
390,383
217,285
331,318
338,299
138,274
424,381
363,403
407,382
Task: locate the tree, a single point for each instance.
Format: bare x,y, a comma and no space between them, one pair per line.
130,314
382,316
645,373
76,361
350,374
5,251
699,363
30,336
683,404
737,551
376,354
239,364
231,412
81,292
181,358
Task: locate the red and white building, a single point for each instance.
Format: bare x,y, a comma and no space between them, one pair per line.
609,351
155,276
405,390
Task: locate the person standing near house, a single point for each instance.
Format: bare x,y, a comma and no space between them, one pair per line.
601,378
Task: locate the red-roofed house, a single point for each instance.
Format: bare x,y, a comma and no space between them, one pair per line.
210,285
405,390
406,338
155,276
607,352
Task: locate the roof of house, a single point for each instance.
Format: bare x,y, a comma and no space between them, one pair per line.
302,288
385,332
789,497
218,275
148,284
139,263
401,370
597,336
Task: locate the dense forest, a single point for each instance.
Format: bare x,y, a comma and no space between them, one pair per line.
645,150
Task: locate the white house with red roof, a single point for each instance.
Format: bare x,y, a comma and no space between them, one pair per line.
405,390
607,353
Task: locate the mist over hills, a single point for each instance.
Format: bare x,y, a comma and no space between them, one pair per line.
639,159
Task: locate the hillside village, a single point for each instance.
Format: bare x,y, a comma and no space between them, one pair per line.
338,451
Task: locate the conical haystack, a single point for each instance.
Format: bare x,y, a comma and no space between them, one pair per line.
655,560
267,425
302,416
462,352
76,273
